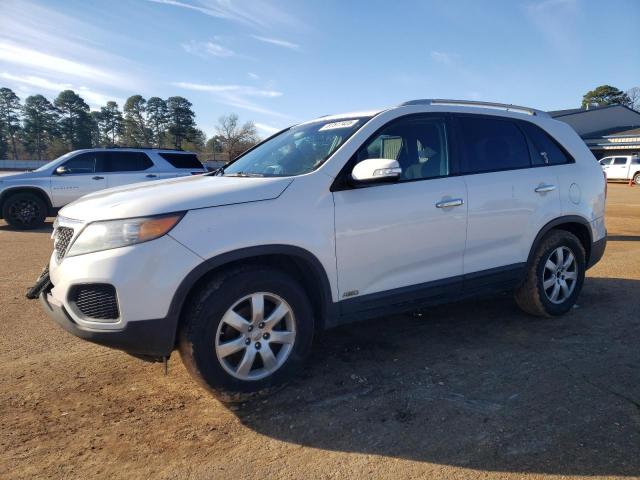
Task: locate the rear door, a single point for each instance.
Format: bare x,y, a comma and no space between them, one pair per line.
509,200
124,168
85,175
401,241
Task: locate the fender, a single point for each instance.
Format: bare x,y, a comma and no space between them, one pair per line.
307,258
37,190
560,221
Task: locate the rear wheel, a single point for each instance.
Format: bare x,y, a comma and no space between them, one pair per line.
25,211
246,332
554,277
636,178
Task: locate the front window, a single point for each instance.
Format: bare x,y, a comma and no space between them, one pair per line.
50,164
298,150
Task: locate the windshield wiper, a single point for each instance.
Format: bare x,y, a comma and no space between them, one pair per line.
243,174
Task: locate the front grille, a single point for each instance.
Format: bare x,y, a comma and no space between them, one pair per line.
95,301
61,238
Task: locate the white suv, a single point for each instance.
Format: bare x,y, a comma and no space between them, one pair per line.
622,167
342,218
26,199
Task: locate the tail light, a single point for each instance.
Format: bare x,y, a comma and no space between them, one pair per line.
605,184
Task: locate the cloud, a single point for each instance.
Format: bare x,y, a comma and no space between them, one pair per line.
278,42
239,96
207,49
27,83
27,57
268,129
42,42
556,21
255,76
444,58
255,13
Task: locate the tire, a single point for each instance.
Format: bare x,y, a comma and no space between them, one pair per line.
206,334
636,178
24,211
532,297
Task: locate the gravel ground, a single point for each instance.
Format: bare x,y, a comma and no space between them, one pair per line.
472,390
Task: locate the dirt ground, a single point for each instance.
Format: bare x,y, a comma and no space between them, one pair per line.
473,390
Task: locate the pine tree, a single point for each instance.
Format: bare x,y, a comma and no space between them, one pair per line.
39,124
136,131
157,119
75,125
10,109
181,120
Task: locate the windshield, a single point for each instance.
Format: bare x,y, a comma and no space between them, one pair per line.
52,162
298,150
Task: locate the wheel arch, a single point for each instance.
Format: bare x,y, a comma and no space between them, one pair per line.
20,189
575,224
301,264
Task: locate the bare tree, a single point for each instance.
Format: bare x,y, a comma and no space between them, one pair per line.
235,138
634,98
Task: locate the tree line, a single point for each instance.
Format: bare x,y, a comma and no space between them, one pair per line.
41,129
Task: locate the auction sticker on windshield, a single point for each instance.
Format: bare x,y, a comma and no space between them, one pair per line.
334,125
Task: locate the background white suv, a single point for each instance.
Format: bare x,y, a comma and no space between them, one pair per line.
622,167
26,199
338,219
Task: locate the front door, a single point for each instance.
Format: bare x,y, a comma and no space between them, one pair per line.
84,175
406,239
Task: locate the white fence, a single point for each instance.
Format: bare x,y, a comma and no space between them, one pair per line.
21,164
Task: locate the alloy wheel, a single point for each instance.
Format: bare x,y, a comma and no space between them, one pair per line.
255,336
560,275
24,212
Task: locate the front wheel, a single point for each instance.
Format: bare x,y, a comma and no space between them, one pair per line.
555,276
246,332
636,178
24,211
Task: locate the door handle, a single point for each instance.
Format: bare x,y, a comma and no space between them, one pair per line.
545,188
97,177
454,202
151,175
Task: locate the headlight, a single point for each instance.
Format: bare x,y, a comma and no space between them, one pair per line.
119,233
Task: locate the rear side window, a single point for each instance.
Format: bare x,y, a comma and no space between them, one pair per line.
491,144
545,149
127,162
620,161
88,162
182,160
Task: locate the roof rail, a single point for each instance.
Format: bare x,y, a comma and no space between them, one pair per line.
141,148
473,103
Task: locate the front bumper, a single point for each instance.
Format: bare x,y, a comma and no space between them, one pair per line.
146,338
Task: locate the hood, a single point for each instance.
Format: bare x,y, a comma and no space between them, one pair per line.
173,195
16,177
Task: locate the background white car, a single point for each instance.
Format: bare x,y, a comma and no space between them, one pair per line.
26,199
622,167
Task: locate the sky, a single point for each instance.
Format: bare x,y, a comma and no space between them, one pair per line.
284,61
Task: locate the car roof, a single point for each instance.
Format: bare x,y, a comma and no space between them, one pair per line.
453,105
135,149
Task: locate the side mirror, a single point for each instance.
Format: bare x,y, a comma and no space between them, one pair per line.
62,170
376,170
